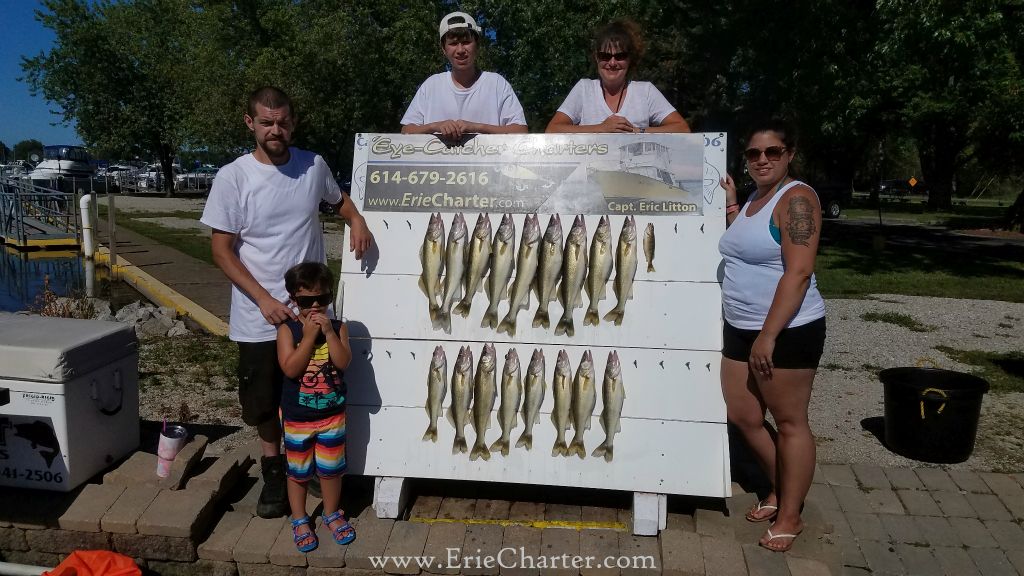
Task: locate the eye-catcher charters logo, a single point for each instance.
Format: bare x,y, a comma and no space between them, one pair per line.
395,150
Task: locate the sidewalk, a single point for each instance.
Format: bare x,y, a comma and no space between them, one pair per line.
860,519
202,283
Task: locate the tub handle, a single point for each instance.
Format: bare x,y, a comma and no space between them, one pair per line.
118,387
933,394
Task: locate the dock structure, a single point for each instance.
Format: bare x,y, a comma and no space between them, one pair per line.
34,217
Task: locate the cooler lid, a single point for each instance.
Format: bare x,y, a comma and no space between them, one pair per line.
45,349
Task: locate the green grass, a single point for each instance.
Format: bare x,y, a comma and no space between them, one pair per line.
190,242
1004,371
959,218
904,320
914,208
849,267
216,354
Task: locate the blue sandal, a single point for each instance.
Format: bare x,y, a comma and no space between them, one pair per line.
309,537
342,534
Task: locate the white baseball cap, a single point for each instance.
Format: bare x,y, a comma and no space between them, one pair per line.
457,20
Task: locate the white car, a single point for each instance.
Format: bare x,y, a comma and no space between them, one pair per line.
199,178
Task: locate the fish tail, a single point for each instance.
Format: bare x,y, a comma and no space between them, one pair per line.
525,441
508,326
490,319
650,266
615,315
500,445
430,434
565,326
462,308
541,318
440,319
576,447
559,449
591,318
480,451
605,450
459,447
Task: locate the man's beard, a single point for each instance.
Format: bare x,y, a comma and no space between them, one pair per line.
283,152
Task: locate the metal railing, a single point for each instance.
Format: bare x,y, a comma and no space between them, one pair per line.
30,210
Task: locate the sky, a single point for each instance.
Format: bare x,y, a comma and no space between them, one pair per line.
22,115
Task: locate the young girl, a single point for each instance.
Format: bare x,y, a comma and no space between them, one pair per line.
313,351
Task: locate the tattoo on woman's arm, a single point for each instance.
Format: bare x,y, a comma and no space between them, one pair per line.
801,221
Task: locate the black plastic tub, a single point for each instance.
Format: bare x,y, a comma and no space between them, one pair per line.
932,414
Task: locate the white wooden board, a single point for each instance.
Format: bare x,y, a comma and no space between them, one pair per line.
672,315
659,384
686,246
673,438
665,457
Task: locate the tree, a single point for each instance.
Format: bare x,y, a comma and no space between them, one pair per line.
118,71
26,148
952,73
5,152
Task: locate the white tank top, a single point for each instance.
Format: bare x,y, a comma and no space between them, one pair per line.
753,268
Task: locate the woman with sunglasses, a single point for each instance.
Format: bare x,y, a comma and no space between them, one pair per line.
614,102
774,330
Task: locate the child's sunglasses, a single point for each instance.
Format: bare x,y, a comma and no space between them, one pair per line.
772,153
324,299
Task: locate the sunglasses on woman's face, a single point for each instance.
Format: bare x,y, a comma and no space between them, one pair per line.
772,153
313,300
619,56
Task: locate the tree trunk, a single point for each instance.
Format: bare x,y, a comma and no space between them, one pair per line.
167,167
1014,218
939,146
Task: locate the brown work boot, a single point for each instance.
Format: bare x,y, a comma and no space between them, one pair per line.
273,502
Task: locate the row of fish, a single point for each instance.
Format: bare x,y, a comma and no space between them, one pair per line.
480,262
473,400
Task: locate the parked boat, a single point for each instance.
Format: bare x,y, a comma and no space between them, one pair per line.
61,163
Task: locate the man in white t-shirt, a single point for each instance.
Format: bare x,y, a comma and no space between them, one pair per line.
263,209
465,100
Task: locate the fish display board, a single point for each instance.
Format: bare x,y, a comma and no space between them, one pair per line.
541,309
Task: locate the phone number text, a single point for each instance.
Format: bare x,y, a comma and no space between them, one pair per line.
31,475
429,177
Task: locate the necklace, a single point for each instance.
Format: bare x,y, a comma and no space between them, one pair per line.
622,94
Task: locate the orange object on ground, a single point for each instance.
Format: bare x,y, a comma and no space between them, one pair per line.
96,563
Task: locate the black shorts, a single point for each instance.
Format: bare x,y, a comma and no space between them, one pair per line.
259,382
795,348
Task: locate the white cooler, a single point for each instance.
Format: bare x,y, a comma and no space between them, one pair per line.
74,399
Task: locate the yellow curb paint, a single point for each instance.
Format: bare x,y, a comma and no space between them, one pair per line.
160,293
577,525
41,242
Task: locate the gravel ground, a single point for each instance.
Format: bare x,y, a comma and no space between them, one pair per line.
847,390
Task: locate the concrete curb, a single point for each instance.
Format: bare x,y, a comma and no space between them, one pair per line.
160,293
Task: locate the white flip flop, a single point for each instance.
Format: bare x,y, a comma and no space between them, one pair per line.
761,506
771,537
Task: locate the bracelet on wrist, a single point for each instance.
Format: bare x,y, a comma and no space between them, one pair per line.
732,209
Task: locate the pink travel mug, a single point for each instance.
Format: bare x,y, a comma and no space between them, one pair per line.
171,441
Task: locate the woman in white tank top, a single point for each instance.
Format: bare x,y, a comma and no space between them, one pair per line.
774,325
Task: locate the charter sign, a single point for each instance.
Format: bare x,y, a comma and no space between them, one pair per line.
642,174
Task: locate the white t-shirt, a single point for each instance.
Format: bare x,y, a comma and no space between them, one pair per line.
643,104
490,100
273,210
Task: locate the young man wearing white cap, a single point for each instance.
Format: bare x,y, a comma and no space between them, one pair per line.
465,100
